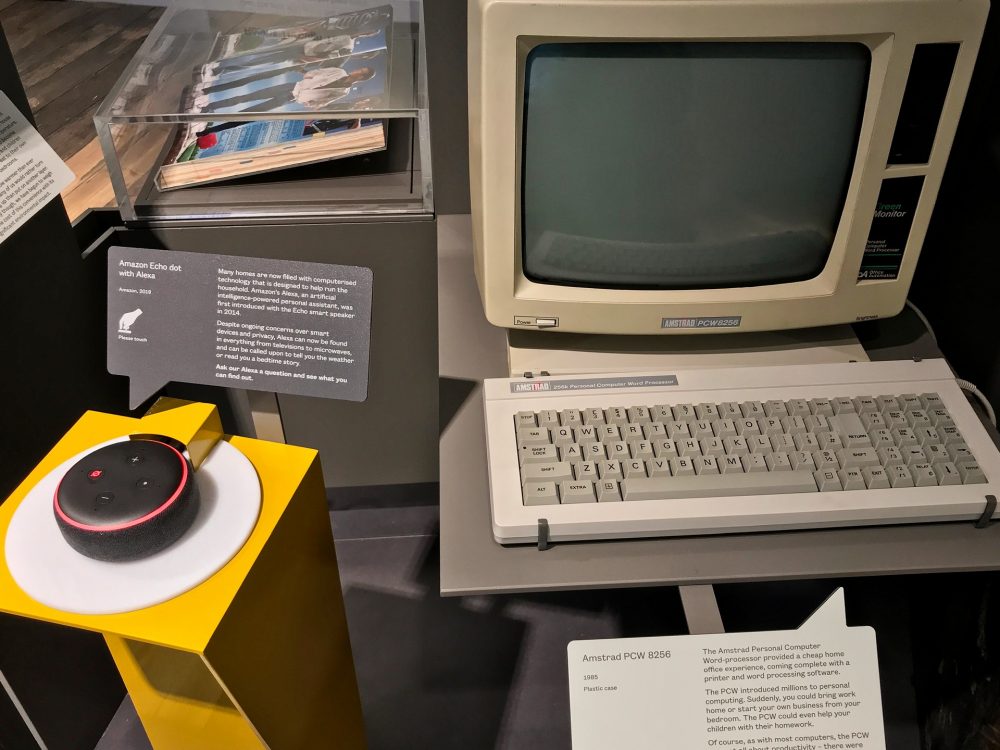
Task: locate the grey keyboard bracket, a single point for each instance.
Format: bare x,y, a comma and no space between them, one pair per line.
544,541
701,610
987,518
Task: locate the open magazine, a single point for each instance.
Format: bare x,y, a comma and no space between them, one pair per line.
341,61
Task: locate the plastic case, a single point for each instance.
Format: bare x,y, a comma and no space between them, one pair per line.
138,123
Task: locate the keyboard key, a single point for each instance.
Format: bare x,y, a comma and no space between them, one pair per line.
752,409
923,475
851,457
728,484
931,401
562,435
704,465
736,446
707,411
843,405
677,429
538,454
890,456
881,438
850,429
681,467
525,419
577,492
658,467
899,476
802,461
971,474
730,464
947,473
806,441
662,413
617,415
725,428
771,426
654,431
775,408
634,468
904,436
532,436
585,470
949,434
817,423
887,403
548,418
798,407
778,462
828,480
593,416
540,493
913,454
618,451
852,479
895,418
873,421
688,447
918,418
609,433
610,470
821,406
665,449
876,478
960,453
608,492
570,417
573,452
940,417
712,447
555,472
748,427
783,443
759,444
701,429
864,404
594,451
642,449
793,425
826,460
730,410
683,412
584,434
631,432
936,454
639,415
754,463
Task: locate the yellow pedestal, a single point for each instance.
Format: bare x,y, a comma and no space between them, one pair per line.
257,656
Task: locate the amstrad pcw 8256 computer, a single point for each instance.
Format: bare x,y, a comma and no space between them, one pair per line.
645,171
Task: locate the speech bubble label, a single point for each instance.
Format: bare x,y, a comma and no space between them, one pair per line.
255,323
815,688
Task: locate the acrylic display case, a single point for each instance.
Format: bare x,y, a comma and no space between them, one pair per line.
161,98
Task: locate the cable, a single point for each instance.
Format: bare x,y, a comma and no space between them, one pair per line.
923,319
965,385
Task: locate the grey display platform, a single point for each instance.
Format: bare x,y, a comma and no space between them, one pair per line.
472,562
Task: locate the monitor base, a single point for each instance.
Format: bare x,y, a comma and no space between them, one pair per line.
569,353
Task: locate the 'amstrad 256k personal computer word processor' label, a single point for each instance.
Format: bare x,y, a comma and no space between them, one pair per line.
590,384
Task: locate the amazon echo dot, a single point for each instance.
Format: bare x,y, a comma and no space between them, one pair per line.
127,500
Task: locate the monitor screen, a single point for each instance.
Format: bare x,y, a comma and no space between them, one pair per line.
686,165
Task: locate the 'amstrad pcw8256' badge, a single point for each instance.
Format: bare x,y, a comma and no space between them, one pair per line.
815,688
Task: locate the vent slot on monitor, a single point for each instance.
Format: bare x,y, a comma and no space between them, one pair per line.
923,100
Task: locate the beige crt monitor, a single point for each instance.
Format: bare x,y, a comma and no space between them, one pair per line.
681,166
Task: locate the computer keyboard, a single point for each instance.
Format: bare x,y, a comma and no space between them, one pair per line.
734,450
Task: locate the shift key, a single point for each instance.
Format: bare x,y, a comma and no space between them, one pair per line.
718,485
553,472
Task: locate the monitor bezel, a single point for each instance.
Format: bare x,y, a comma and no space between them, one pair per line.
502,32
